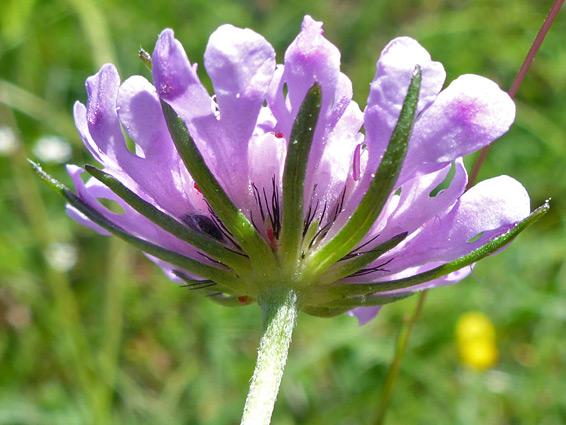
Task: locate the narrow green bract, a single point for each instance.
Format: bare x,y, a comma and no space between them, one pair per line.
236,222
294,176
383,182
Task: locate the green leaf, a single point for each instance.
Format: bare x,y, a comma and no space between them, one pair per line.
300,143
234,220
225,278
379,190
169,224
335,291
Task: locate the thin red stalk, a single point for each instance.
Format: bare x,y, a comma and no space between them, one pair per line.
402,342
519,79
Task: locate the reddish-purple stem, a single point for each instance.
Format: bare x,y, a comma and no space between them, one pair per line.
519,79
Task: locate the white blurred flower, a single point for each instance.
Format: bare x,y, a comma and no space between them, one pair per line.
498,382
61,256
52,149
8,141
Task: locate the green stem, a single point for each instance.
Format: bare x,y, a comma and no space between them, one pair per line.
117,275
393,373
279,318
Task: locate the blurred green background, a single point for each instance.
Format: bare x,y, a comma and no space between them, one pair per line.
91,332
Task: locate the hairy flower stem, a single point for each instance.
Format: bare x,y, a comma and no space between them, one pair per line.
279,317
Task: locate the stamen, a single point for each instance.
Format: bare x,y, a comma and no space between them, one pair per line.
369,270
203,224
213,260
310,217
276,208
356,253
191,283
257,198
272,211
323,231
222,228
193,287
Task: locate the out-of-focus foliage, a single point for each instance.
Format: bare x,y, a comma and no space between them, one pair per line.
92,333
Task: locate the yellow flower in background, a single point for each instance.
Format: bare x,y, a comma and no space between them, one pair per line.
475,335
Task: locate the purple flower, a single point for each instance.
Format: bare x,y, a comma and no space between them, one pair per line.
272,182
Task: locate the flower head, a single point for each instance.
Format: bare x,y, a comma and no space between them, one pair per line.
273,182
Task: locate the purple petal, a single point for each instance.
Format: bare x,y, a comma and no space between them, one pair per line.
79,113
160,174
83,220
333,178
140,114
311,58
395,69
364,314
388,90
240,64
102,119
490,208
417,205
177,83
130,220
470,114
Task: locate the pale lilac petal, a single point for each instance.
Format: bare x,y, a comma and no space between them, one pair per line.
176,80
331,179
449,279
161,174
343,98
418,206
130,220
79,113
102,119
240,64
490,208
266,157
311,58
470,114
177,83
170,270
364,314
278,103
395,69
139,111
83,220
